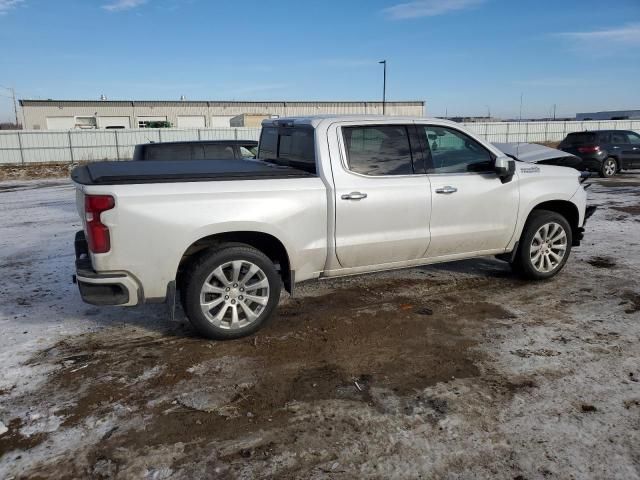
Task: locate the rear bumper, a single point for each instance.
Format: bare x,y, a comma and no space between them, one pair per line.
591,164
113,288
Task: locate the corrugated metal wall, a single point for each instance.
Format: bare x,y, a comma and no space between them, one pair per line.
37,146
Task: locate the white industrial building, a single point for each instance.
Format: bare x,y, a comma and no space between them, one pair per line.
119,114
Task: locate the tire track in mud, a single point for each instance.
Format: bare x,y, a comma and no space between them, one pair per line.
366,344
351,364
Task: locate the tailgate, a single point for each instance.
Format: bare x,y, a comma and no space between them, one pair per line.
80,203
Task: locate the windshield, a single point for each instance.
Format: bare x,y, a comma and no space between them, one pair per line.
583,137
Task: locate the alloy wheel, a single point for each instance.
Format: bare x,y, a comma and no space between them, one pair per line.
234,295
609,167
548,247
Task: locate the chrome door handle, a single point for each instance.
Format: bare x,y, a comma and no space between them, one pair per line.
354,196
446,189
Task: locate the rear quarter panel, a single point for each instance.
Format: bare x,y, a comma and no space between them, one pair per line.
152,225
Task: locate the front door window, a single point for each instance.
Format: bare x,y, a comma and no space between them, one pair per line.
454,152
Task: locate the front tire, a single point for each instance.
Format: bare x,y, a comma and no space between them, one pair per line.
544,246
609,167
230,292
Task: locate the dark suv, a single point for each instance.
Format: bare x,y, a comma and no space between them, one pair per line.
604,151
197,150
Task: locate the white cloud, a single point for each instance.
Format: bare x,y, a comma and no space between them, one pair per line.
120,5
628,34
427,8
6,5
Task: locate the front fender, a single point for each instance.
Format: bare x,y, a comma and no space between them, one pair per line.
546,183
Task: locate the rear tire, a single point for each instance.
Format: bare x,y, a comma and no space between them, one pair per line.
544,246
609,167
230,292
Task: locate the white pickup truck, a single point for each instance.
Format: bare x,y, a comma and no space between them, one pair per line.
329,196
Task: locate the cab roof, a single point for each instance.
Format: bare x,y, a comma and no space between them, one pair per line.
315,120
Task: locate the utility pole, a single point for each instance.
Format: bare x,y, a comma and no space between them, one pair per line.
554,111
15,105
520,118
488,112
384,87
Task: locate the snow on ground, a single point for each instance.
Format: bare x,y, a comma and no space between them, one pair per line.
457,371
38,303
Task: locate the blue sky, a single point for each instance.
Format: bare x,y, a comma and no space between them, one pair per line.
462,57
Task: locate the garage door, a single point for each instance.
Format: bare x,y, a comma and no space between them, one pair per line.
221,121
61,123
191,121
114,122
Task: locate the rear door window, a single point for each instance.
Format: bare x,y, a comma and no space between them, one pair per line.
634,138
378,150
618,138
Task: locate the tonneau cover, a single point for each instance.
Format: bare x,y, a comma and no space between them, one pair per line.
131,172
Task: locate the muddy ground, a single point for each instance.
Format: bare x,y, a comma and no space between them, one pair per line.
36,171
450,371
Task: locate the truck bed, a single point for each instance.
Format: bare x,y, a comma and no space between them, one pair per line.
122,173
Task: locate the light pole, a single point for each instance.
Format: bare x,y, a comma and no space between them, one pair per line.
384,86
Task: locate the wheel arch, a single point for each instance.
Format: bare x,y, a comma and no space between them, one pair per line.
268,244
566,208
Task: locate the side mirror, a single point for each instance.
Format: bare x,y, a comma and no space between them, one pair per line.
505,168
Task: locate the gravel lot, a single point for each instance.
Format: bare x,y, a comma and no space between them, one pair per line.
456,371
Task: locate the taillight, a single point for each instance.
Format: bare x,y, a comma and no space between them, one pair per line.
589,149
97,232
